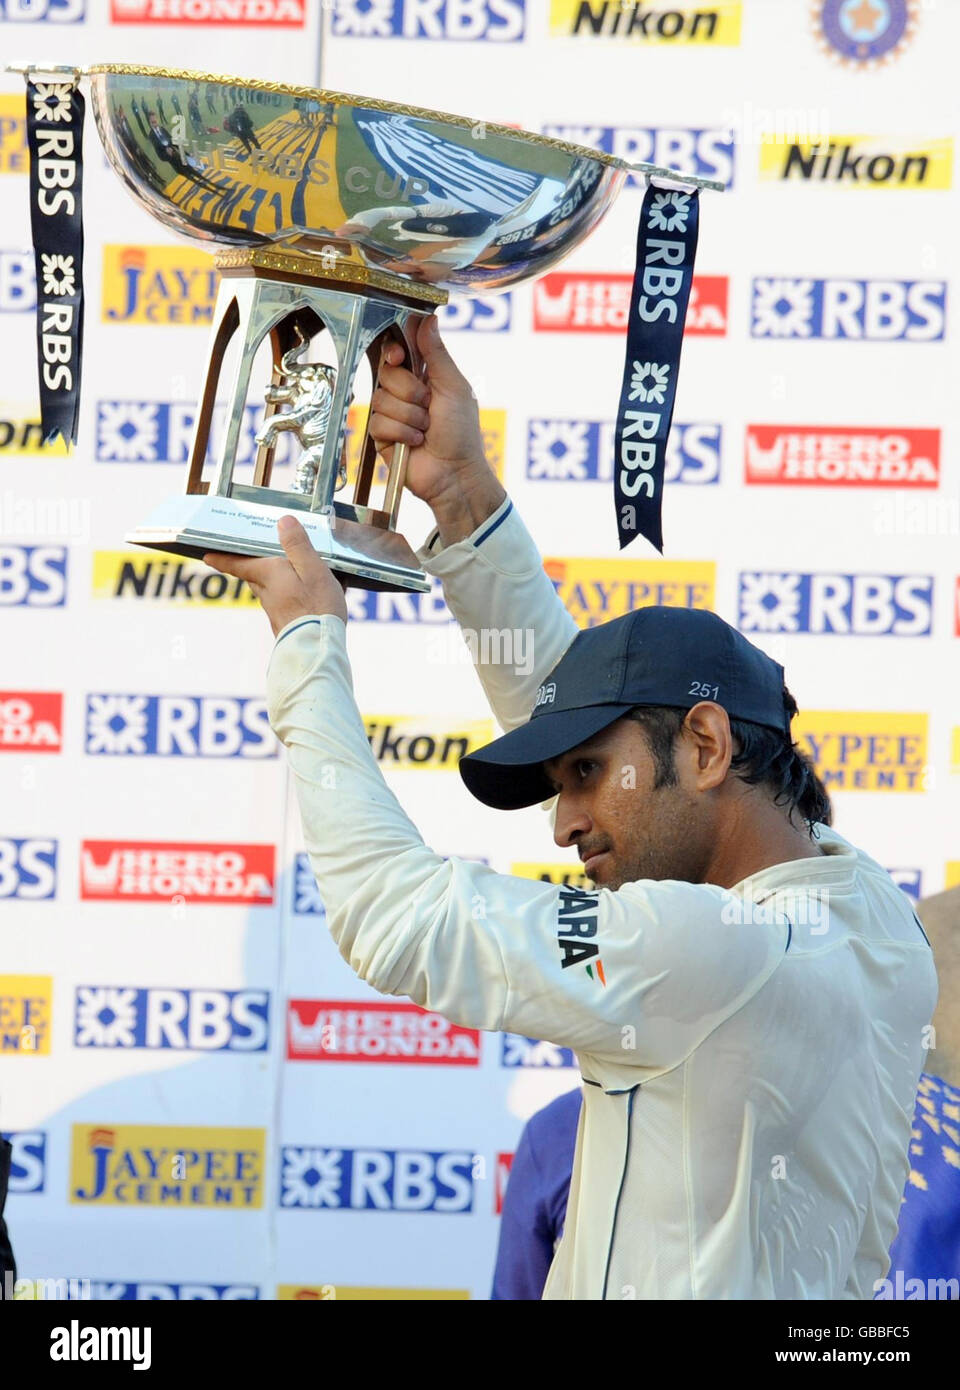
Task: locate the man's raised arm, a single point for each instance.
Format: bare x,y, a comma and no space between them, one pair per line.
492,573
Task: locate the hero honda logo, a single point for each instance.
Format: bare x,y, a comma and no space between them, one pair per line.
259,13
846,455
187,726
317,1179
912,311
31,721
708,153
583,450
115,870
598,302
196,1020
498,21
343,1031
860,605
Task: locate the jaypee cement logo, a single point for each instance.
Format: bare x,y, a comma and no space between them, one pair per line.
26,1007
28,1163
848,605
517,1051
184,1020
495,21
882,311
594,591
859,161
717,24
178,726
33,576
28,869
167,1166
142,871
158,285
583,451
842,455
412,1180
324,1030
14,157
857,750
708,153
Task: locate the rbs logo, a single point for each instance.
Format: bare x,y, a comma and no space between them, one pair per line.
870,605
197,1020
882,311
28,869
375,1180
36,11
491,313
500,21
28,1163
33,576
178,726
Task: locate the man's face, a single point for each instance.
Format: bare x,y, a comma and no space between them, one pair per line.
622,828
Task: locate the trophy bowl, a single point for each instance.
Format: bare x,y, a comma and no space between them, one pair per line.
437,199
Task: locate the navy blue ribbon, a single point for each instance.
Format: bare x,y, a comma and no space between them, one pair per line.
55,139
666,249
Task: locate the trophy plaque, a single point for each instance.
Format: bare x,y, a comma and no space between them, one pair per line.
335,220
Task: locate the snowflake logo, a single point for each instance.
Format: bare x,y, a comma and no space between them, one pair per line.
51,101
127,431
106,1017
306,891
58,274
782,308
649,382
669,212
363,18
769,602
531,1052
310,1177
557,449
116,724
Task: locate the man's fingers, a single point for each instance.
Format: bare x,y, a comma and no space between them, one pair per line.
402,383
296,546
385,431
247,567
385,403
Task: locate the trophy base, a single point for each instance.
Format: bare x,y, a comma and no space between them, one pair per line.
367,557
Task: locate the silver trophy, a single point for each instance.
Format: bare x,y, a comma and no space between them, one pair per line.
330,215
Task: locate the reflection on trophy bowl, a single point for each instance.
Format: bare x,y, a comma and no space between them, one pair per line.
441,200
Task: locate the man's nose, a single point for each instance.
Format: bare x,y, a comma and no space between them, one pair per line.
571,822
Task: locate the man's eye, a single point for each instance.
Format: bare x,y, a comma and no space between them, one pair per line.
584,767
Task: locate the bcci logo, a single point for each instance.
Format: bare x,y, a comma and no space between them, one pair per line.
864,33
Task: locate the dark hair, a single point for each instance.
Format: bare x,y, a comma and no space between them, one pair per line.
762,757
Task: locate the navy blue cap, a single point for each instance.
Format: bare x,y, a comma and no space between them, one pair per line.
653,656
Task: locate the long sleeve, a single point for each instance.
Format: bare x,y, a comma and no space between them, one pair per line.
488,950
494,582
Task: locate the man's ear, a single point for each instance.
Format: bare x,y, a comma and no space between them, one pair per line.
708,725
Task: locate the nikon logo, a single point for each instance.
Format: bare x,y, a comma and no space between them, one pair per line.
125,574
410,742
859,161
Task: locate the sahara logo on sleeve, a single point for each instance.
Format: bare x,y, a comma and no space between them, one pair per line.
860,750
186,1020
157,872
28,869
848,605
167,1166
31,721
158,285
594,591
517,1051
633,21
496,21
842,455
325,1030
599,302
877,311
577,915
33,576
28,1164
26,1006
178,726
322,1179
583,451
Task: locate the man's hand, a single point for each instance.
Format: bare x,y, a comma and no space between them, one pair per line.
299,584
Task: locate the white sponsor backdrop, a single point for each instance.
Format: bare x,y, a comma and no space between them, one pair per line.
353,1215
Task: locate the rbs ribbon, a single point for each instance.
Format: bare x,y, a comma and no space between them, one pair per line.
55,136
666,248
